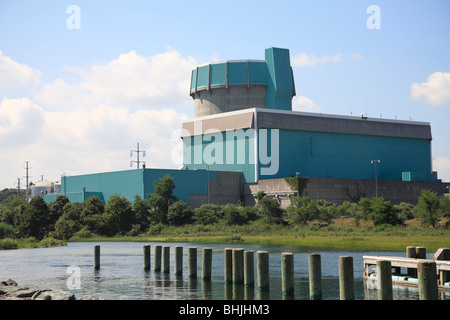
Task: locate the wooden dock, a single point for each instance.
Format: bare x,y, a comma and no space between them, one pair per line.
404,269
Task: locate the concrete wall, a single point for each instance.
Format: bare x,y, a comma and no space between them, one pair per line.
340,190
226,188
234,98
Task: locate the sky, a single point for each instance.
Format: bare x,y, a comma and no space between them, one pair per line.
82,82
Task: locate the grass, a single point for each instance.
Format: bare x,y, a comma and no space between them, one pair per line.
343,234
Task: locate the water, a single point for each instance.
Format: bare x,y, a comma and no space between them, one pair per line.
121,275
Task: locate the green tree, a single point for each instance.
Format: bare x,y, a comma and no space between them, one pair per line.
56,210
69,222
233,215
33,221
119,215
179,214
383,212
445,206
270,210
301,210
162,198
10,213
208,214
427,208
141,212
92,216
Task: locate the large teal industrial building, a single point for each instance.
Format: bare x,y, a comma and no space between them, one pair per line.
245,138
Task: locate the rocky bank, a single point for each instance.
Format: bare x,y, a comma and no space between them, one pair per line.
10,290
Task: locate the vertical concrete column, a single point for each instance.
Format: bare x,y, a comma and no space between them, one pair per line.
315,276
192,262
287,273
206,264
411,253
249,269
228,265
346,281
427,276
178,260
262,269
146,250
384,275
97,257
157,265
421,253
166,259
238,266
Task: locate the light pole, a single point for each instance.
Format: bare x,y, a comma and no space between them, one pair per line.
207,181
376,184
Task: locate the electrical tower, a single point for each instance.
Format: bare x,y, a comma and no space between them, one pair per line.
137,152
26,177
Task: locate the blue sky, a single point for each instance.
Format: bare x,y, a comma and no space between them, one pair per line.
76,101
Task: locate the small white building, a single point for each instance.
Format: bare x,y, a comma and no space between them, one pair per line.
44,187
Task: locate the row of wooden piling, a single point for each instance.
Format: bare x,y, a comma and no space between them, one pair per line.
239,269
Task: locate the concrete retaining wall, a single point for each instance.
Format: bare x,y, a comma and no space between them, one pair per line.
340,190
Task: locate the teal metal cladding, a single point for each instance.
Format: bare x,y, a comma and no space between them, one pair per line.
130,183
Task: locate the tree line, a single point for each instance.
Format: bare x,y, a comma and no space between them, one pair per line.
61,219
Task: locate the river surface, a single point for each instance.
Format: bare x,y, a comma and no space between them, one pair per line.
121,275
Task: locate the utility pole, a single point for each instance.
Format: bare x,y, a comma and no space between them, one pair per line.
26,177
137,152
18,187
376,184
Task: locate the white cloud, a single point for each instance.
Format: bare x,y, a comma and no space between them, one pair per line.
14,74
435,91
301,103
305,60
20,122
130,80
90,123
442,166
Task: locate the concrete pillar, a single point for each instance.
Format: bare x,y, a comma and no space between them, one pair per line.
178,260
146,250
206,264
97,257
238,266
166,259
421,253
427,276
249,272
411,253
287,273
346,280
192,262
315,277
157,265
384,275
262,269
228,265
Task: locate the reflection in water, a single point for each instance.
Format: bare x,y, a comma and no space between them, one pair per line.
121,275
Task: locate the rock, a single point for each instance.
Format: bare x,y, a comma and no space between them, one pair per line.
10,290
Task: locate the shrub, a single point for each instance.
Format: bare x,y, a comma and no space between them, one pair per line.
179,214
7,230
7,243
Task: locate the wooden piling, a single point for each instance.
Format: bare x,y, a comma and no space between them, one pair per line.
146,250
166,259
192,262
287,273
384,278
346,281
97,257
238,266
262,269
249,272
427,276
178,260
228,265
421,253
206,264
157,265
315,277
